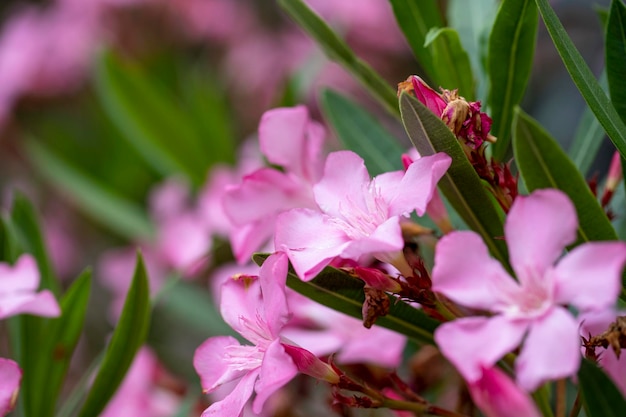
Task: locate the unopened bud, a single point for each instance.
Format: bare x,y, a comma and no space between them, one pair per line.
309,364
375,278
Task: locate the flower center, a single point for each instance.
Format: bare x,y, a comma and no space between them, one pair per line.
361,220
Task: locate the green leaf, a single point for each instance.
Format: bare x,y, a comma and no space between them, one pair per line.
582,76
543,164
359,131
339,291
461,185
588,138
337,50
454,70
511,50
61,337
128,336
616,56
93,198
151,120
416,18
599,395
27,232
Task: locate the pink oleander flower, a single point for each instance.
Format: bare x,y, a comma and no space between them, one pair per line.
18,290
537,230
496,395
290,139
360,216
10,377
256,309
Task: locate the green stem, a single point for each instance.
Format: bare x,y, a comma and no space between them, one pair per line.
78,393
561,398
419,408
576,407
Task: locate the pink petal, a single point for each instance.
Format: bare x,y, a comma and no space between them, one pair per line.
537,230
551,350
273,277
290,139
38,304
344,183
208,360
497,396
249,238
386,238
310,239
418,184
277,370
465,272
263,193
232,405
590,276
10,377
476,342
23,276
241,300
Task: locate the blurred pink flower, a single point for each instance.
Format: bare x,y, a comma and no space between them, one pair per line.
18,290
537,230
496,395
359,216
139,395
291,140
10,377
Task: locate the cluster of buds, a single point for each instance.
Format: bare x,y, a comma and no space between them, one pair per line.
471,127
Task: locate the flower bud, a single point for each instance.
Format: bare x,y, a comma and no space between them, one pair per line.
309,364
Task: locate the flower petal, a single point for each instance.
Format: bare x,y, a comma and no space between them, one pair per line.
23,276
344,183
232,405
417,185
386,238
241,300
290,139
41,304
496,395
310,240
476,342
10,377
551,350
208,360
273,277
277,369
537,230
590,276
466,273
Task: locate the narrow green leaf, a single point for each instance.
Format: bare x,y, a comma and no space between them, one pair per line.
337,50
416,18
616,56
61,337
461,185
29,236
588,138
339,291
359,131
582,76
543,164
454,70
511,50
151,119
128,336
95,200
600,396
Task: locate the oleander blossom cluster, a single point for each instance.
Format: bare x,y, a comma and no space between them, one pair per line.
311,210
